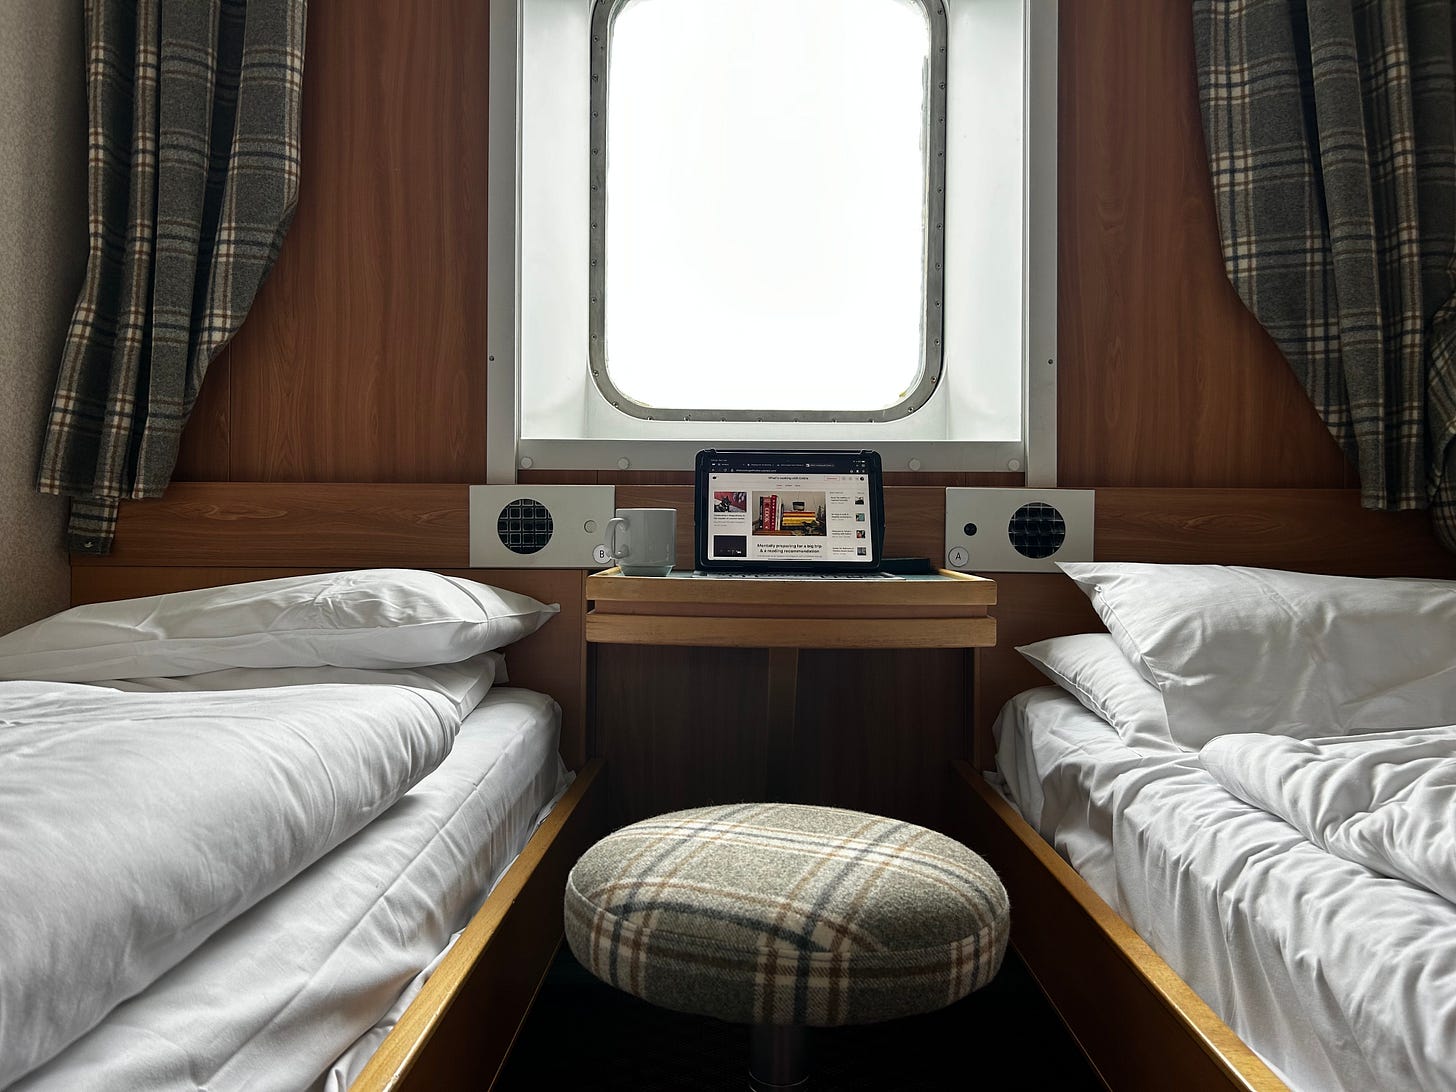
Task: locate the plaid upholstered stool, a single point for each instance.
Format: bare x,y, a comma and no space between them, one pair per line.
784,917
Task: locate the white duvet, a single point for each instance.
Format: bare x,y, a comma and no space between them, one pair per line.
1341,978
1386,801
133,826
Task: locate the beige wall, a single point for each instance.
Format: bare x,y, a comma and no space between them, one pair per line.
42,260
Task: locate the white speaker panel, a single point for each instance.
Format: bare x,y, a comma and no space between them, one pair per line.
1017,530
540,526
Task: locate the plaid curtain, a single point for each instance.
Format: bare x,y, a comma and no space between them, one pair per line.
1331,133
193,177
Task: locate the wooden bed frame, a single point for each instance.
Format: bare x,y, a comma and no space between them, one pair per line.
1138,1023
460,1028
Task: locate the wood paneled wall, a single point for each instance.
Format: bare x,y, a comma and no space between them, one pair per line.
364,356
1164,378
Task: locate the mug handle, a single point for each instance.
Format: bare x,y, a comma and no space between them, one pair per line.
612,525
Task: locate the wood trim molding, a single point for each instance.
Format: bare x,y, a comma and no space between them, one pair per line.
708,595
1309,530
300,525
792,632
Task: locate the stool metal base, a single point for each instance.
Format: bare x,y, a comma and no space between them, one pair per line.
778,1058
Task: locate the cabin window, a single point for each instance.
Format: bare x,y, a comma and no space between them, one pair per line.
767,207
772,222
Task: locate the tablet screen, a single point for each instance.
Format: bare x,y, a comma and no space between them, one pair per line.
807,510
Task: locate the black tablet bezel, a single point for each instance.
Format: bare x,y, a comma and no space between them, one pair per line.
787,460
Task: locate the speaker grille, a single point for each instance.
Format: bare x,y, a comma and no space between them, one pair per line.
1037,530
524,526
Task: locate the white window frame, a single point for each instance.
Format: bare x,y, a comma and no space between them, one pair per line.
671,445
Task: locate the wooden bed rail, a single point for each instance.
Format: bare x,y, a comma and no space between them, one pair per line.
457,1032
1140,1025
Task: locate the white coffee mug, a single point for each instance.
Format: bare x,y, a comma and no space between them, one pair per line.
643,541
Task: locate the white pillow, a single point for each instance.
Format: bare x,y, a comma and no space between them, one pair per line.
371,618
1296,654
1091,668
463,684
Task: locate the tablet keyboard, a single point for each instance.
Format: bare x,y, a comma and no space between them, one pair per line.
799,576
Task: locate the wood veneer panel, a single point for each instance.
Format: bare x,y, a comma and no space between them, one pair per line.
682,727
323,525
877,728
1164,378
799,632
874,730
1030,607
560,477
781,700
206,448
961,592
915,522
1310,530
364,356
354,525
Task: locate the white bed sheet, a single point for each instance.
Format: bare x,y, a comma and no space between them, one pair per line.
1339,978
272,999
134,826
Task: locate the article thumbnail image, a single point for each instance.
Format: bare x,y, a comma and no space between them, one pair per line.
730,545
789,513
730,501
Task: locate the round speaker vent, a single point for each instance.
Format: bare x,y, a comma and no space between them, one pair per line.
1037,530
524,526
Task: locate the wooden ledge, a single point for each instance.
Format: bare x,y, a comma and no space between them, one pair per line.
944,588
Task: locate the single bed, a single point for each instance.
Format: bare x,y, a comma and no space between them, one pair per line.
403,811
1227,828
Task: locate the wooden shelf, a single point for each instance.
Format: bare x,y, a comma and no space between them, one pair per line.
941,610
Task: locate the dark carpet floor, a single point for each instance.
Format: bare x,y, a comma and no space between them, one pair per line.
583,1034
